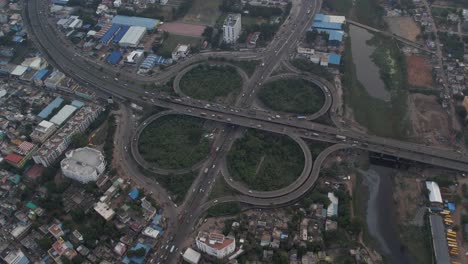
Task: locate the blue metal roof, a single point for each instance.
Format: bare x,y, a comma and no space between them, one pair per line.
333,34
120,34
41,74
152,60
114,57
134,193
136,260
334,59
148,23
77,104
49,108
109,34
319,17
60,2
327,25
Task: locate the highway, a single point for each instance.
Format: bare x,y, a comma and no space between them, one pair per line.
104,83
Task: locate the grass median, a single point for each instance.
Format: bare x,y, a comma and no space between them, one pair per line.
265,161
207,82
293,96
174,142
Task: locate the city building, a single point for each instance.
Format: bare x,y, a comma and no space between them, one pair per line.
15,257
134,57
58,143
83,164
180,52
36,63
54,79
133,36
104,210
252,39
62,248
191,256
215,244
332,25
332,209
231,28
63,115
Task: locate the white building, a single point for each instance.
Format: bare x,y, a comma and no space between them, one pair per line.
434,192
83,164
231,28
332,209
133,36
15,257
104,210
43,131
216,245
58,143
35,63
180,52
191,256
63,114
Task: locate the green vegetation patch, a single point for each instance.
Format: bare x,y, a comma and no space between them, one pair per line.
265,161
178,185
224,209
418,241
171,41
174,142
207,82
387,119
313,68
293,96
220,189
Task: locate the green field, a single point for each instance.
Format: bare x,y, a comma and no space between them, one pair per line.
265,161
207,82
174,142
204,12
170,43
249,21
292,96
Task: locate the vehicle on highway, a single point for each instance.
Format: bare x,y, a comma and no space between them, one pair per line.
206,170
340,137
172,249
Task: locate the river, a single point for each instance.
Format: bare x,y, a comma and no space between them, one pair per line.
366,70
380,217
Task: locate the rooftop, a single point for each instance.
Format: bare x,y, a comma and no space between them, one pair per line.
231,19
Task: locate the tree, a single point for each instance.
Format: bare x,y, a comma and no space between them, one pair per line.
79,140
78,215
44,243
141,252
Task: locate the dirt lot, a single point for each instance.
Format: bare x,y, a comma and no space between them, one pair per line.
428,119
403,26
419,71
406,195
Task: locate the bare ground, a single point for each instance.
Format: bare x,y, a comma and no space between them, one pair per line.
429,120
403,26
419,71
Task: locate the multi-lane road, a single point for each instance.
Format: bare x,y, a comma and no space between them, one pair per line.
103,81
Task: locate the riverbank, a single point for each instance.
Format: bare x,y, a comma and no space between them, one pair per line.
386,119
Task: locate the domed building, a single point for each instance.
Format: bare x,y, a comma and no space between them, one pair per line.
83,164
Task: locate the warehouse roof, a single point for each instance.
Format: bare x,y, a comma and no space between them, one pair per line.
133,35
148,23
63,114
434,192
114,57
50,107
123,30
41,74
439,241
334,58
327,25
109,34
